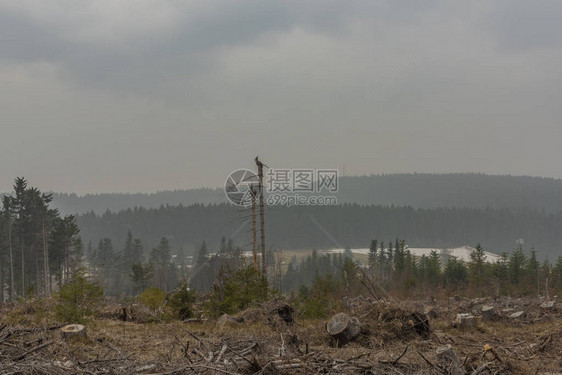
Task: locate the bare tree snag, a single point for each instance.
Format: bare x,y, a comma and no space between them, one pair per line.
262,215
449,360
343,328
73,330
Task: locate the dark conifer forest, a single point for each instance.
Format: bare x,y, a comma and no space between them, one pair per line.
348,224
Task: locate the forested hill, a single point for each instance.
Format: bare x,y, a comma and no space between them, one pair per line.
331,226
416,190
99,203
454,190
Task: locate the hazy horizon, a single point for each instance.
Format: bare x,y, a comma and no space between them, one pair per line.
221,187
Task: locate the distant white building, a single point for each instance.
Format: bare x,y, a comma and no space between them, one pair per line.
461,253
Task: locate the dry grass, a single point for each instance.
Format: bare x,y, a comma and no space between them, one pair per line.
113,346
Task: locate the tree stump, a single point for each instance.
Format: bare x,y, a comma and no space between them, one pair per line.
465,321
420,323
343,328
449,360
489,313
285,312
73,330
430,312
126,314
225,318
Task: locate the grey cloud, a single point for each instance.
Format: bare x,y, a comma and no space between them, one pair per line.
522,25
198,31
85,106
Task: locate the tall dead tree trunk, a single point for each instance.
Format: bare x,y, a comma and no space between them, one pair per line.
262,216
12,290
22,268
254,227
45,260
1,280
37,272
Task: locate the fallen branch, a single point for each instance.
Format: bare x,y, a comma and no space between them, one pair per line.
400,356
437,367
25,354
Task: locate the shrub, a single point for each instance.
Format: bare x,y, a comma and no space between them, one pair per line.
323,298
239,289
181,302
78,299
152,298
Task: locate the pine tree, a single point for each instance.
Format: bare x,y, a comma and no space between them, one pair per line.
161,258
373,254
502,267
533,268
455,272
400,258
138,251
476,267
433,268
517,263
18,203
141,274
28,223
8,218
202,255
106,261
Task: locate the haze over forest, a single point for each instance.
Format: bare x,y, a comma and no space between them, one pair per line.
416,190
428,210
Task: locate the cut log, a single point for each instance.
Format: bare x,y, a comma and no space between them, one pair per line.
73,330
465,321
225,318
489,313
517,315
449,360
343,328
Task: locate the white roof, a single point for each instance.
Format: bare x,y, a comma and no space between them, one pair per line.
462,253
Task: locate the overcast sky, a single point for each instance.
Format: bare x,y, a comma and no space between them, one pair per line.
115,96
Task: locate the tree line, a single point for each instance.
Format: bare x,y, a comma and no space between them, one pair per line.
39,248
129,269
391,264
301,227
395,269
